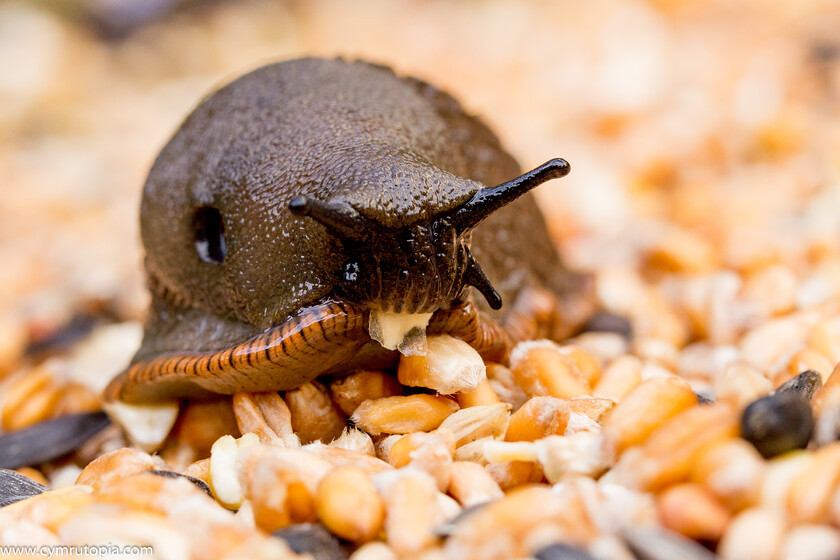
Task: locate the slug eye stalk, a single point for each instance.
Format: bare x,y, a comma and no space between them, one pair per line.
487,201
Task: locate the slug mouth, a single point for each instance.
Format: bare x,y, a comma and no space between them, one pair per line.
402,275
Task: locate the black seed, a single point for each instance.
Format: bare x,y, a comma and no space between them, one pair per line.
49,440
605,321
778,423
560,551
308,538
806,384
660,544
197,481
62,338
15,487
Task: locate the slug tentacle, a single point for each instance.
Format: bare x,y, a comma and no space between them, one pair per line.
476,278
340,218
487,201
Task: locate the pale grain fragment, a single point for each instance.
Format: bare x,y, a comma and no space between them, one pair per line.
476,422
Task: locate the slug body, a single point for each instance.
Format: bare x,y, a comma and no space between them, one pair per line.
308,200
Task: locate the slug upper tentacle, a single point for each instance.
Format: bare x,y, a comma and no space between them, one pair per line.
309,200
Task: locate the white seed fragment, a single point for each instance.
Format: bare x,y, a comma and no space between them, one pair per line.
224,479
146,425
405,332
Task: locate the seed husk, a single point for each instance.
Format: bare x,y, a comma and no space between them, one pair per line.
806,385
778,423
50,439
172,474
562,551
659,544
311,538
15,487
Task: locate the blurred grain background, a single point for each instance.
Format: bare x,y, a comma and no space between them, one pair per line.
717,119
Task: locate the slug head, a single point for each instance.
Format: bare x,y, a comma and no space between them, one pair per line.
421,267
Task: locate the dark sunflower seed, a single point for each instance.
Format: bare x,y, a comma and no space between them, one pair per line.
49,440
197,481
778,423
660,544
806,384
308,538
15,487
605,321
560,551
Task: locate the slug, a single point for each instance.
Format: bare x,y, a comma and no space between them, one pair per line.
315,217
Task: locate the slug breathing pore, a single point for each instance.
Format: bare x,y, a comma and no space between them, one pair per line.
403,275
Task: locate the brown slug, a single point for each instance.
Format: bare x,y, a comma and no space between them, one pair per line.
313,204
